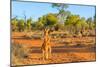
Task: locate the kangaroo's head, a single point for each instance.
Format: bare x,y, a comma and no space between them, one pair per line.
46,31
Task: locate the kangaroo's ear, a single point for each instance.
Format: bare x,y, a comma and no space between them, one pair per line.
44,29
49,31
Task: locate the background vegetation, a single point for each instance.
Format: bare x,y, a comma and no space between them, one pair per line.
62,21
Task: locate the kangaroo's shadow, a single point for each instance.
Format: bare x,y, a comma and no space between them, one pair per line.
65,49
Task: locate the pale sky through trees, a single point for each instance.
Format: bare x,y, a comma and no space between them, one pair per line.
36,10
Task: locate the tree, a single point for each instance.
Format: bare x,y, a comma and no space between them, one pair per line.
62,12
59,26
89,20
75,24
90,23
39,25
72,19
60,7
48,20
51,20
28,24
14,23
81,25
21,25
42,19
71,22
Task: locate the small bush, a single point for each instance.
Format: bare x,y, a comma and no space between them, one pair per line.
19,52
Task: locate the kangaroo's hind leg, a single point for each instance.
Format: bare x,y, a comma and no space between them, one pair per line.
46,54
49,51
43,54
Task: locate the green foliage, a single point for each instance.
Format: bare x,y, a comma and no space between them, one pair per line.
42,20
89,20
72,19
51,20
14,23
28,24
39,25
63,20
81,25
48,20
76,24
21,25
59,26
91,23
